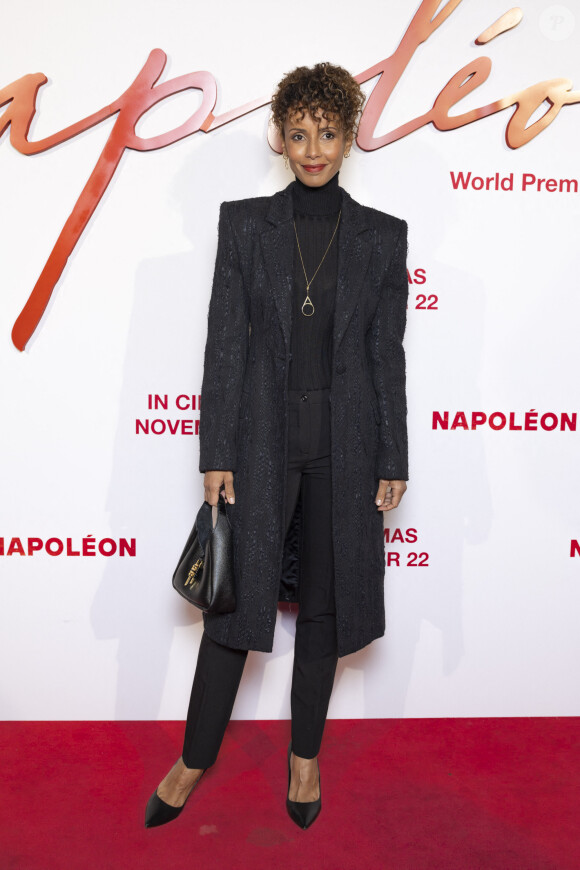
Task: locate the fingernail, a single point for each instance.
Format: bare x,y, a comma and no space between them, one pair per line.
379,500
232,500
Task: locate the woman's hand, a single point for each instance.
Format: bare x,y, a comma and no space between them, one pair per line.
389,494
213,481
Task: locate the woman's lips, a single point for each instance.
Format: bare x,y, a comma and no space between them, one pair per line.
318,168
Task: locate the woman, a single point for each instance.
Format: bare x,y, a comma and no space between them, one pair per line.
302,430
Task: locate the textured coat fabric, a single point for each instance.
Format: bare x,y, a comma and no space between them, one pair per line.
243,419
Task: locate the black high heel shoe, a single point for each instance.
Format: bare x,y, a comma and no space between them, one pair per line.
159,813
303,812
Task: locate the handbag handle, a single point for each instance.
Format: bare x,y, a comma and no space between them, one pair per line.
215,512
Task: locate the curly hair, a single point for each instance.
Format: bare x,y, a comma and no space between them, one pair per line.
323,86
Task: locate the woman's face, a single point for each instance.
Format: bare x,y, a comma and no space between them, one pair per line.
315,146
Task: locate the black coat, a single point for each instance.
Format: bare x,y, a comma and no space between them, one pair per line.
243,418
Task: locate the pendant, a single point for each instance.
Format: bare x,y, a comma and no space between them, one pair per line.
307,304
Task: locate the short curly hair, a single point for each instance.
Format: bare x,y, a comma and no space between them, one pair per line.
323,86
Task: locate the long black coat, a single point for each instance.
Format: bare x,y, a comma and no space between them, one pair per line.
243,420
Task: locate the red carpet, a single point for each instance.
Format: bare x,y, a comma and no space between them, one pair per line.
455,794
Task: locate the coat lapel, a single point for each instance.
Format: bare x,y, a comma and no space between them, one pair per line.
355,245
354,251
278,249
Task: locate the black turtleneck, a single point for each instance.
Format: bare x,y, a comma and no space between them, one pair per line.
316,212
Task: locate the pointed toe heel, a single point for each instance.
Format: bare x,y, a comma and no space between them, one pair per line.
303,813
158,812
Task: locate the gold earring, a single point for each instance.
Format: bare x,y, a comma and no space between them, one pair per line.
285,156
347,153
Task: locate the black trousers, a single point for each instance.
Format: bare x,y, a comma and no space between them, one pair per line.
219,668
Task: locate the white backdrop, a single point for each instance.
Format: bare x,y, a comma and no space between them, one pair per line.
485,624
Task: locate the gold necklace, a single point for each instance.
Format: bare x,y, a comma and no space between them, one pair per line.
308,302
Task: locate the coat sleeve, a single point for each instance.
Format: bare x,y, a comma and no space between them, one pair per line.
225,355
388,365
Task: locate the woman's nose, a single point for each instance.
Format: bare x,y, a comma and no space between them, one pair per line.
312,150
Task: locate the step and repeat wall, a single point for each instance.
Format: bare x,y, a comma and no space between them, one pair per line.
147,117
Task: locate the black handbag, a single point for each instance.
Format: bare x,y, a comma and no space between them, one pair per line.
205,571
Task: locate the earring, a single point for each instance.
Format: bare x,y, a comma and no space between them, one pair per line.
285,156
347,153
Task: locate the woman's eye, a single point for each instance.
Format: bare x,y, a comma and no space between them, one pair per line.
329,135
297,136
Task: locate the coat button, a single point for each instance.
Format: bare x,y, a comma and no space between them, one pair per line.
303,398
340,368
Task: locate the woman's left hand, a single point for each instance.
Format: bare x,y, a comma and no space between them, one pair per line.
389,494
